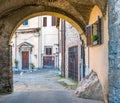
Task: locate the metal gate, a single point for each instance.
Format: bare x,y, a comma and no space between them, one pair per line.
73,63
48,61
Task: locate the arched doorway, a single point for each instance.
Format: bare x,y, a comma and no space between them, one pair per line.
16,15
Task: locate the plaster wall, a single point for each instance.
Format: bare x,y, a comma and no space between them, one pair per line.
49,38
33,55
97,56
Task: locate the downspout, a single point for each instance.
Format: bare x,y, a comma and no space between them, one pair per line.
64,45
16,45
57,26
38,44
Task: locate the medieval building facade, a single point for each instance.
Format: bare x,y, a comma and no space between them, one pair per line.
35,44
71,46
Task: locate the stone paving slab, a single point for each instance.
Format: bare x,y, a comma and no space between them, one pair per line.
41,87
68,82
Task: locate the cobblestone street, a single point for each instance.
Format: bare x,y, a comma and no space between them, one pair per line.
41,87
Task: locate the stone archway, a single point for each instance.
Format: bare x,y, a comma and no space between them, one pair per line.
76,12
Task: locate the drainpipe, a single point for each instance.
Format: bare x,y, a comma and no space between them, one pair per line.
38,44
63,27
16,45
64,45
58,49
57,26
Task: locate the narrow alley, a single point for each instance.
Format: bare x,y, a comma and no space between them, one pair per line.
41,87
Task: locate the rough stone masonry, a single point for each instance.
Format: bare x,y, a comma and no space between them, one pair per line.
90,88
114,51
6,85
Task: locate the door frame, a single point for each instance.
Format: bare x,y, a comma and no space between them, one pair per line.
28,60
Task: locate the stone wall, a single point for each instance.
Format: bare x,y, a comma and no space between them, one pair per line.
5,71
114,51
72,39
98,55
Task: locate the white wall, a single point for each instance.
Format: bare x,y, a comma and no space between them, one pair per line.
48,37
31,38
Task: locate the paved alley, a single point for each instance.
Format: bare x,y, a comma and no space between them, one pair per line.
41,87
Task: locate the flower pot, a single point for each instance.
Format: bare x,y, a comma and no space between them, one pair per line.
95,43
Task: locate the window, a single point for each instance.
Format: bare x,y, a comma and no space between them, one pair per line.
89,35
48,51
54,21
44,21
25,22
93,33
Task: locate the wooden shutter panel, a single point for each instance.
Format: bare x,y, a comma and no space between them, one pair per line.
89,31
58,22
54,19
99,31
44,21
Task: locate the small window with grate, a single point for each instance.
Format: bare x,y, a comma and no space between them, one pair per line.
48,51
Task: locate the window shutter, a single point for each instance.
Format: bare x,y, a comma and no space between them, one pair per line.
57,22
54,20
99,31
25,22
89,31
44,21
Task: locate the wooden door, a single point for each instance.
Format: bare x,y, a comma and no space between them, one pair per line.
25,60
73,63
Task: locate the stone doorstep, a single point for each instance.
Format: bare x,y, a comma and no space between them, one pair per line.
68,82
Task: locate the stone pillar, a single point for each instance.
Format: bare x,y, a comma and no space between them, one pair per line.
114,51
6,85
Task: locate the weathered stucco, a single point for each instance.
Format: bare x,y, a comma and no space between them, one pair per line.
98,55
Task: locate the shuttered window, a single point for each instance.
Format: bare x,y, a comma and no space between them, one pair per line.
99,31
92,31
54,21
44,21
89,32
25,22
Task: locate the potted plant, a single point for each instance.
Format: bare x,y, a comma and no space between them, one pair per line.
16,63
32,66
95,39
